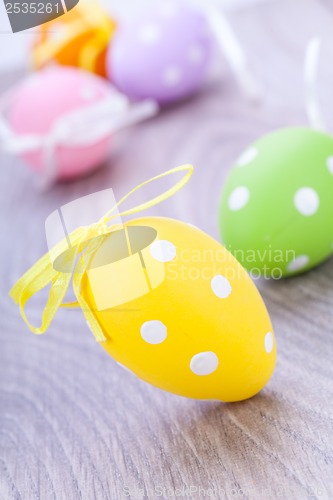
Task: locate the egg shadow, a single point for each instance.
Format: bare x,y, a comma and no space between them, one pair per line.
219,430
300,293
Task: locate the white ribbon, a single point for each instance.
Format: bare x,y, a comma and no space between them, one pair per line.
83,127
231,47
313,108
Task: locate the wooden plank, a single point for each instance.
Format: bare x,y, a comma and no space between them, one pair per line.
74,425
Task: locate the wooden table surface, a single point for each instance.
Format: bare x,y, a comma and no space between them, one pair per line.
73,424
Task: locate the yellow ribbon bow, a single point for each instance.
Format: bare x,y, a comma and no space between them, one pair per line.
84,244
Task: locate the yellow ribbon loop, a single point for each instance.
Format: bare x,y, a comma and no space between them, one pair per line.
85,243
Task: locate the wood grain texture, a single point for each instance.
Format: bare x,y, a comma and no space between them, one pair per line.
73,424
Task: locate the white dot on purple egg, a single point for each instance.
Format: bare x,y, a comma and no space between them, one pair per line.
149,34
196,54
172,76
168,9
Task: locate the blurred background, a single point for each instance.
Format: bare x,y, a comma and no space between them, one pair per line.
74,424
15,57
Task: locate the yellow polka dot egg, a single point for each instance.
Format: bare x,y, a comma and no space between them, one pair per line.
165,300
180,312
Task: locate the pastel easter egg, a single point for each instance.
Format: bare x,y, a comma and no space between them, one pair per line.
47,97
80,39
162,54
180,312
277,204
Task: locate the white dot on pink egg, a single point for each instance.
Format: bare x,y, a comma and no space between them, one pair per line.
87,93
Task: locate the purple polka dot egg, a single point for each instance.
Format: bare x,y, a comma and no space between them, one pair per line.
163,53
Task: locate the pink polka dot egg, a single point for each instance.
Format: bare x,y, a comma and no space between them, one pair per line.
57,120
163,53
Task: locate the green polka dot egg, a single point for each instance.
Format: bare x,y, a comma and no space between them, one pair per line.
276,209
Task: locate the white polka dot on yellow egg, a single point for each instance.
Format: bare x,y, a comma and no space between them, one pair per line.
163,251
204,363
269,342
221,287
154,332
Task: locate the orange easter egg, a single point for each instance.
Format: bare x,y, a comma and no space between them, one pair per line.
80,38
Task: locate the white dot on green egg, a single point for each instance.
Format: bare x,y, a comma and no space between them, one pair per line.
172,76
163,250
306,201
154,332
330,164
204,363
247,157
239,198
221,286
269,342
298,263
150,33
